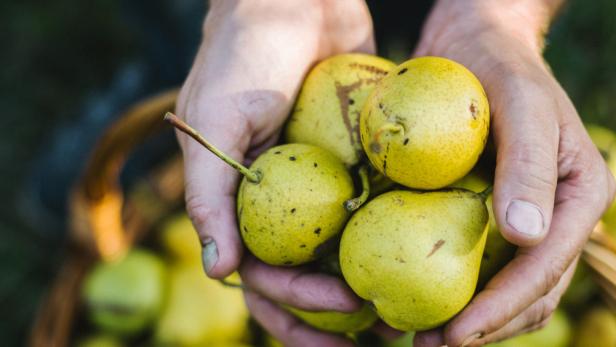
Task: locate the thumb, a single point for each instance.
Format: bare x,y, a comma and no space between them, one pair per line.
210,194
526,136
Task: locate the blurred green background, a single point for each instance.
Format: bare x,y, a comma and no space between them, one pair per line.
69,67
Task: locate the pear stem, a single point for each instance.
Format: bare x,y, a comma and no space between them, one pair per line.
251,176
390,127
486,192
353,204
226,283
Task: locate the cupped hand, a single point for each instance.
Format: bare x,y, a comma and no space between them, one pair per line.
551,184
239,92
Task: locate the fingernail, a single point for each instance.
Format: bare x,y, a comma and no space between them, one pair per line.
525,218
209,254
471,339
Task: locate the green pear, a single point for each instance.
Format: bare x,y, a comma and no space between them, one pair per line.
180,240
405,340
498,251
100,341
124,297
556,334
290,202
338,322
200,311
416,255
597,328
326,113
605,140
426,123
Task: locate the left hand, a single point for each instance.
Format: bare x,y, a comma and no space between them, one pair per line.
551,184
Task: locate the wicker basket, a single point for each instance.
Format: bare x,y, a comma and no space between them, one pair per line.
103,223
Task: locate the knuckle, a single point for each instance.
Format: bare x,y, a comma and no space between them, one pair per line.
538,165
199,211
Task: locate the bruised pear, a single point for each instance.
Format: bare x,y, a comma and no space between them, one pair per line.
426,123
290,201
416,255
326,113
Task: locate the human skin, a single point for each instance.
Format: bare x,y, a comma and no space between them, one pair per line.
551,183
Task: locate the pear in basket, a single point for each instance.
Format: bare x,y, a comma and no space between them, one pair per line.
123,297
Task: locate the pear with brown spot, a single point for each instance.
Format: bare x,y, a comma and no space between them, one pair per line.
416,255
290,201
326,113
426,123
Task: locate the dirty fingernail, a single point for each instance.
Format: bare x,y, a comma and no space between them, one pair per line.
471,339
209,254
525,218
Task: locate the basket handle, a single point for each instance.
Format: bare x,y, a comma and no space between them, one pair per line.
96,206
97,201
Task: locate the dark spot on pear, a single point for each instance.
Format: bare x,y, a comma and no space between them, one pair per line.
406,141
317,231
302,246
375,147
315,164
245,229
473,109
292,158
293,210
380,105
277,152
402,71
351,101
436,247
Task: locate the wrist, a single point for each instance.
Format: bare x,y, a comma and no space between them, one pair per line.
525,21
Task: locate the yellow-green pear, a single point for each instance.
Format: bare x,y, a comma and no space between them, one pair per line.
338,322
556,334
100,340
498,251
426,123
605,140
326,113
179,239
597,328
416,255
292,215
290,202
405,340
123,297
200,311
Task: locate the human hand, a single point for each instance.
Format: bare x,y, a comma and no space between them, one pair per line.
239,92
551,184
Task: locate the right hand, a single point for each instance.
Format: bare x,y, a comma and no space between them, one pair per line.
241,88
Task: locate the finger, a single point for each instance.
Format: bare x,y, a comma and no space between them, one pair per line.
534,317
429,338
298,287
536,270
526,138
210,196
288,329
